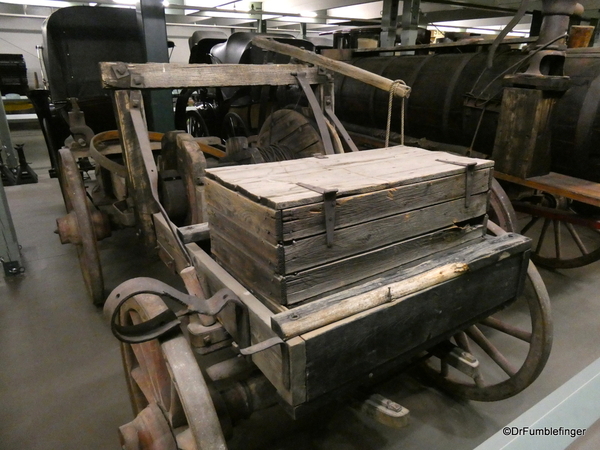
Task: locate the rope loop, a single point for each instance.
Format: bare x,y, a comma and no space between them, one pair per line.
393,87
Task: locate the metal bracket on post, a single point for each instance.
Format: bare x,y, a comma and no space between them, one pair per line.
329,200
318,113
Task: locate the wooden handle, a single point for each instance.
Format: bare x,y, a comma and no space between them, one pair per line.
331,64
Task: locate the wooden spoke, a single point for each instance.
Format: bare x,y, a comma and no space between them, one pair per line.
475,333
538,249
530,224
557,238
511,330
577,239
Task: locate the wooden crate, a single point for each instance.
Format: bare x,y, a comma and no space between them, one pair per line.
393,206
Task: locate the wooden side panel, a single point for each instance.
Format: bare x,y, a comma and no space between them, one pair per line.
329,278
312,251
337,353
309,220
257,219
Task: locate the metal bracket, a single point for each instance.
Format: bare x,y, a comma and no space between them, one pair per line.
469,173
121,71
162,325
317,112
329,200
12,268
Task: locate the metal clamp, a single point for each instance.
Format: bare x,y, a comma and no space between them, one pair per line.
168,321
469,173
329,200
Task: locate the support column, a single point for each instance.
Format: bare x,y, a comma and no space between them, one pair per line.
153,27
5,140
389,23
410,21
9,247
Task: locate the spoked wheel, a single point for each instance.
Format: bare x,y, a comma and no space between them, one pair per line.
169,395
82,226
501,211
562,238
195,125
512,347
234,126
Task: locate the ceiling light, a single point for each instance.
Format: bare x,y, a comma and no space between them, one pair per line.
308,14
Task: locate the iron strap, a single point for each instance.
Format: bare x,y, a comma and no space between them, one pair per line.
168,321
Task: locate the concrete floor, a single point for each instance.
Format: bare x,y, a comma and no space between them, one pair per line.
62,384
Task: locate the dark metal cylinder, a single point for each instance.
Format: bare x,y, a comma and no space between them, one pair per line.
453,93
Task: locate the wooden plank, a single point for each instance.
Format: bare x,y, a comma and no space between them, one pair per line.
258,219
337,66
309,220
166,240
555,183
175,75
276,184
250,271
297,365
269,361
432,271
344,350
296,223
312,251
333,277
272,256
522,145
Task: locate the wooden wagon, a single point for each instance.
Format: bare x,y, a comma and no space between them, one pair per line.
304,302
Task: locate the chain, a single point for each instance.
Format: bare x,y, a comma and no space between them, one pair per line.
393,87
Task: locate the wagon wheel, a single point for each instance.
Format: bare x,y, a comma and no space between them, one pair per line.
195,124
501,211
562,238
289,132
168,392
234,126
81,226
524,328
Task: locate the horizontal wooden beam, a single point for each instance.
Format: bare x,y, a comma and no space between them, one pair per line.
118,75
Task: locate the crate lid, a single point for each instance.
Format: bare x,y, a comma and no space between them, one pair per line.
281,185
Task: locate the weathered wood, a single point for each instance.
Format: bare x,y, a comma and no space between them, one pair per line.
192,166
138,180
170,252
194,233
276,184
307,253
313,251
175,76
354,346
333,277
277,226
431,271
331,64
556,183
522,146
270,361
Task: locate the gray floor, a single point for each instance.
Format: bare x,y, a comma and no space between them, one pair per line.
61,381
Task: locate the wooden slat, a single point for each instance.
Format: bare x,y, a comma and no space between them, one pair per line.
342,274
276,184
261,221
559,184
312,251
309,220
344,350
175,76
448,264
333,277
